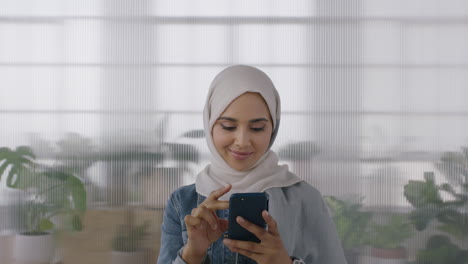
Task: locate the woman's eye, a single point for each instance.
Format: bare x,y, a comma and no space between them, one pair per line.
257,129
229,128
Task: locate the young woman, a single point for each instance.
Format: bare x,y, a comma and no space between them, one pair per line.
241,121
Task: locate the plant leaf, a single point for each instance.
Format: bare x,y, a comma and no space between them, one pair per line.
78,193
18,160
422,193
77,225
45,224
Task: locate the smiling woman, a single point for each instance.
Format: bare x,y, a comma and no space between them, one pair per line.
241,120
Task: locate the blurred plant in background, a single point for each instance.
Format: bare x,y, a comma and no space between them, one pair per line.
49,191
130,237
351,224
390,235
445,203
386,238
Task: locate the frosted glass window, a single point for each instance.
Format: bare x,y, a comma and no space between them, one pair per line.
279,44
188,44
26,88
436,44
382,89
16,47
374,92
238,8
382,43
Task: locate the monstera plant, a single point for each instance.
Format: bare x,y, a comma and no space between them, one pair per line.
14,162
48,193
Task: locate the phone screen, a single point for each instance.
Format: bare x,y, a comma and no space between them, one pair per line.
250,207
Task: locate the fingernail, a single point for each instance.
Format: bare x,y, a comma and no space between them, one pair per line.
266,213
227,241
240,219
214,227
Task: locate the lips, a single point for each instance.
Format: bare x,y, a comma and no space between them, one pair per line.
240,155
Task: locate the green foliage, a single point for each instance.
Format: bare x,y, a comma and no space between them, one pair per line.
51,192
17,161
390,235
440,250
450,213
425,196
351,223
130,238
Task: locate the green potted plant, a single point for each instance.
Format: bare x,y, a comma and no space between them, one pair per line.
450,213
351,224
49,193
441,250
128,242
386,239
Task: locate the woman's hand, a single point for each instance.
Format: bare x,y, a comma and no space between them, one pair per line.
269,250
204,227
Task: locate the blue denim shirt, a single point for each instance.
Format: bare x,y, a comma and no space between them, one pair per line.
304,223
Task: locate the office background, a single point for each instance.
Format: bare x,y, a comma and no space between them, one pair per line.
374,95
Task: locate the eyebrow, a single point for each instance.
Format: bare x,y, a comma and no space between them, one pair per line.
256,120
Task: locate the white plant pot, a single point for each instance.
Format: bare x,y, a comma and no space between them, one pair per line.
120,257
33,249
6,248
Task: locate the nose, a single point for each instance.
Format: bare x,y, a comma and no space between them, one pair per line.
242,138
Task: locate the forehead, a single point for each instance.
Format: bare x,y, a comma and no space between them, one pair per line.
248,105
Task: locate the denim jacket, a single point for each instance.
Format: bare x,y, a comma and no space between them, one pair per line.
304,223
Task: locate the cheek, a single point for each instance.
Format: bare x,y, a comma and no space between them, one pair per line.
262,142
220,139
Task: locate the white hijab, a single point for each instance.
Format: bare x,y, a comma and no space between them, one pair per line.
265,173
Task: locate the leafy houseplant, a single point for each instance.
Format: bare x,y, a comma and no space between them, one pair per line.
127,244
130,238
351,224
49,193
386,239
450,213
440,250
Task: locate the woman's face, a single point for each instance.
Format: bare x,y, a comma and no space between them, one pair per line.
243,131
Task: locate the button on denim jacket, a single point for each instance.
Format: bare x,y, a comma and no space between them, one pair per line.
305,226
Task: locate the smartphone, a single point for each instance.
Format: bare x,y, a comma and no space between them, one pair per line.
250,207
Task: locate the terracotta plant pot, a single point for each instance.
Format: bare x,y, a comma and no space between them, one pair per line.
390,255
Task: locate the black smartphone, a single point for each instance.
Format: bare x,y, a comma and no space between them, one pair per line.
250,206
